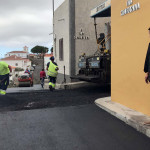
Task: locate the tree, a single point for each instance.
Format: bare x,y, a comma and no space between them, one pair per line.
39,49
52,50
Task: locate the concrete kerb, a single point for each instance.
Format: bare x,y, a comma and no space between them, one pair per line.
72,85
129,116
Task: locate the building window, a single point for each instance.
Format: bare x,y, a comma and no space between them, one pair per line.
16,64
61,50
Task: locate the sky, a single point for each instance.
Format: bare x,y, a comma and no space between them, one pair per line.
25,23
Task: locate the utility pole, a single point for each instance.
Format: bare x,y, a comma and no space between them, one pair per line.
53,17
53,27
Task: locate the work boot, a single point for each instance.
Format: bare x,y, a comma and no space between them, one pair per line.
50,88
2,92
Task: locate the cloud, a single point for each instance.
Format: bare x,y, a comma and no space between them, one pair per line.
26,22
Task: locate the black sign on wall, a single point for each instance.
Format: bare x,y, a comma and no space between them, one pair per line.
81,36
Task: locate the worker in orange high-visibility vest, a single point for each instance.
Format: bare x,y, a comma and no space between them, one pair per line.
52,69
5,69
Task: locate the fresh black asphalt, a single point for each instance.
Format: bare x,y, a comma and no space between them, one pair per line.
71,121
84,127
47,99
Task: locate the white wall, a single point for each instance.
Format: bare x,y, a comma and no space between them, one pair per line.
13,74
46,60
61,30
21,63
23,55
82,21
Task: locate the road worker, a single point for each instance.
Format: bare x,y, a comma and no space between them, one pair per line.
5,69
52,69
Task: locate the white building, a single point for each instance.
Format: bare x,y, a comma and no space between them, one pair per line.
74,34
23,54
17,62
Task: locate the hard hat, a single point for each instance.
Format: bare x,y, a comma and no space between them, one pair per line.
52,58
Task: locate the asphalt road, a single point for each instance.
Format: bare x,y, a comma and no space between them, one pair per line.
85,127
46,99
64,120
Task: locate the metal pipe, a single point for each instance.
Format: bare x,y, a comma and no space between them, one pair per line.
95,28
53,5
64,74
53,17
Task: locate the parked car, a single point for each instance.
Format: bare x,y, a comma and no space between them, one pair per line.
25,79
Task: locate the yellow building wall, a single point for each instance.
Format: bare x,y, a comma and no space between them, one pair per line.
130,41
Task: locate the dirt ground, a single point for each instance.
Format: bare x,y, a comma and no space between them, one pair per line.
47,99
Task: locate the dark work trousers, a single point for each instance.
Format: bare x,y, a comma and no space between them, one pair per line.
149,68
52,79
4,82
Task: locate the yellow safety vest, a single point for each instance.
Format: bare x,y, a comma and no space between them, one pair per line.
52,70
4,68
